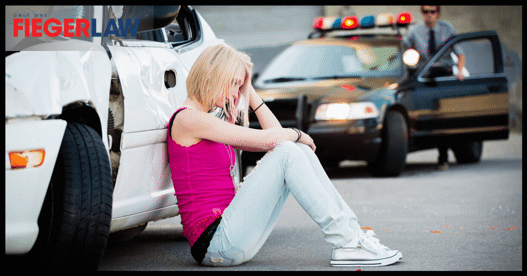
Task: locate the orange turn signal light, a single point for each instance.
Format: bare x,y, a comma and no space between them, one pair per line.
26,159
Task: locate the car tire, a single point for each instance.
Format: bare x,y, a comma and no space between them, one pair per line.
468,152
74,223
391,158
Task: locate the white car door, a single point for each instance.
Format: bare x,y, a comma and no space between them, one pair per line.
153,82
143,181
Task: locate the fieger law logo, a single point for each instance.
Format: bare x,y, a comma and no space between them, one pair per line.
73,27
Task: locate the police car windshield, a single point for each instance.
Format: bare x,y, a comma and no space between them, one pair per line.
307,62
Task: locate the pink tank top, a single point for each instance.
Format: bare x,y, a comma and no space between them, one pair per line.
202,182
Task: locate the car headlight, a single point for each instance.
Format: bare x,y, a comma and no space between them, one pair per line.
411,57
346,111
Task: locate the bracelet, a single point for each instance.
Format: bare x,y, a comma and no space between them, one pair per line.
299,134
258,106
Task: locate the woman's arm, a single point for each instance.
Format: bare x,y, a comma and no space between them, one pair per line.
199,125
263,113
268,120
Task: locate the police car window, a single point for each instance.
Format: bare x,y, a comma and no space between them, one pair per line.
479,56
479,59
333,61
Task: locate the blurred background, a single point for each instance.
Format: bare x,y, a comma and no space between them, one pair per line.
264,31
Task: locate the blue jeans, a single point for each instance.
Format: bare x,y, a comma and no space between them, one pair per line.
249,219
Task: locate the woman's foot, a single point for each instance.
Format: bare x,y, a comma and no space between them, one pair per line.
364,251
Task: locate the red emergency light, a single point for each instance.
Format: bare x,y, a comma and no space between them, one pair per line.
317,23
348,87
404,18
349,22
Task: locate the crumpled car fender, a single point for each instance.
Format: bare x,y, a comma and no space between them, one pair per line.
43,79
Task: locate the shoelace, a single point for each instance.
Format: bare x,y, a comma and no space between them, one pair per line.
368,239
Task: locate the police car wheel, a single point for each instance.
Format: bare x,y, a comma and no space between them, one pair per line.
468,152
391,158
75,219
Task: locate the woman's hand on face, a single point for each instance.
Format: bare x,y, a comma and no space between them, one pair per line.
248,67
247,85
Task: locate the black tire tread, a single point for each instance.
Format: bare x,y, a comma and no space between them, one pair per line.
392,155
82,177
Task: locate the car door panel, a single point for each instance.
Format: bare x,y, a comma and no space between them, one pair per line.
445,107
143,181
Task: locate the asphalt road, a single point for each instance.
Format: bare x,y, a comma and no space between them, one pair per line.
466,218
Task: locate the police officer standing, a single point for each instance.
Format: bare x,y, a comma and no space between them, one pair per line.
426,37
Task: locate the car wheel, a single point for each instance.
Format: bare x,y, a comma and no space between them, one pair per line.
74,223
392,155
468,152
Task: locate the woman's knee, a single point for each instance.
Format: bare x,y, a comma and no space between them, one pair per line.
290,147
290,151
297,149
305,148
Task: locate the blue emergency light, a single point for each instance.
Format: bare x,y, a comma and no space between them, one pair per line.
367,22
336,24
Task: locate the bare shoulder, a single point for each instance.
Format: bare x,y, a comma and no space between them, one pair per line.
184,127
186,119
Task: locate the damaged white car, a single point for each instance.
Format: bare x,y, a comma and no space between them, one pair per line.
86,123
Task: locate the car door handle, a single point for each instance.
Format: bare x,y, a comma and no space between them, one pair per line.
170,78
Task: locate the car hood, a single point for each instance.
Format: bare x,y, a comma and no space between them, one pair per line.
332,90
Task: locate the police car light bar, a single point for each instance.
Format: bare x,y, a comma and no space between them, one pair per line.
335,23
332,23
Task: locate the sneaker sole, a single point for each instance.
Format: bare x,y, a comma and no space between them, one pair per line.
378,262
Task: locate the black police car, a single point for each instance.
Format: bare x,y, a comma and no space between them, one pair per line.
354,91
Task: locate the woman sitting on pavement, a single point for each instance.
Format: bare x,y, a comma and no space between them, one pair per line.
225,223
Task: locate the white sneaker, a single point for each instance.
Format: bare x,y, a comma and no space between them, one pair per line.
365,250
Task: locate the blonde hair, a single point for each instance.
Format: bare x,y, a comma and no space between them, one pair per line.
212,75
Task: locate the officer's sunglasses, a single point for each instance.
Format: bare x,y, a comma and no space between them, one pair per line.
429,11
